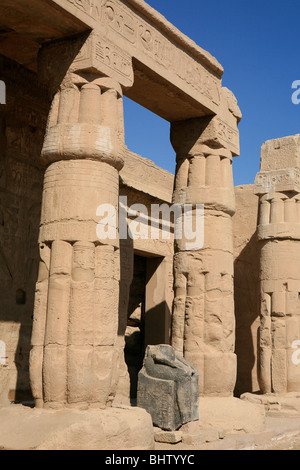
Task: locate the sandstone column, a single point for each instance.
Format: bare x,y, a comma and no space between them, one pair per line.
278,188
203,317
74,343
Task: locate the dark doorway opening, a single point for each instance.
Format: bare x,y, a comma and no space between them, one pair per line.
149,316
135,331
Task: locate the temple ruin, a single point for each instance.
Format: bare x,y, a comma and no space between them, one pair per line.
78,308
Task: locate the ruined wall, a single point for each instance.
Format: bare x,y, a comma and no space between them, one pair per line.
22,127
246,288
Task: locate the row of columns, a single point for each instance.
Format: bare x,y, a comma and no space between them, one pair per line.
76,344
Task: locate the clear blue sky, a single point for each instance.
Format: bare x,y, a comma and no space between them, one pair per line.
258,44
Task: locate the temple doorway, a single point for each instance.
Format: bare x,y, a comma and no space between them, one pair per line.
148,313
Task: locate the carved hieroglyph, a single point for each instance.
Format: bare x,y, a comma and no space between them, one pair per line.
277,186
74,356
203,316
132,39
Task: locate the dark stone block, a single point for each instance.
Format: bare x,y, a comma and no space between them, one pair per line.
168,388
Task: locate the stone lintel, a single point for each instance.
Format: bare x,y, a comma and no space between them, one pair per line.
91,13
161,22
269,182
187,78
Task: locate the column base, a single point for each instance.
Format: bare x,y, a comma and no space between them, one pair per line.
285,404
227,415
122,428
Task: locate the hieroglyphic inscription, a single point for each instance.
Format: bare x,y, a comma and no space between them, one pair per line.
158,47
162,395
278,180
146,41
217,131
90,7
227,134
100,54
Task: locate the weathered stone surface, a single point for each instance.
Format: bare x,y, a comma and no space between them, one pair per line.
170,437
268,182
280,153
143,175
124,428
203,314
277,186
75,350
287,404
231,414
200,436
168,388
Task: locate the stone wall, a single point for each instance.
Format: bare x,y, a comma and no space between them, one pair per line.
22,127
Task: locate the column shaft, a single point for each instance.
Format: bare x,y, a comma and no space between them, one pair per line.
203,316
74,357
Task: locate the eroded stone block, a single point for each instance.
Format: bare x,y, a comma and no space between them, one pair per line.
168,388
281,153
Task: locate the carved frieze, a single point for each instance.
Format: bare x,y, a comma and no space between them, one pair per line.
277,180
150,41
128,30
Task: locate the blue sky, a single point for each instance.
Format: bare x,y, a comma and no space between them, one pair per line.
257,43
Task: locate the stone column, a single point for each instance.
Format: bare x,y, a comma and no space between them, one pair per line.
278,188
74,351
203,317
